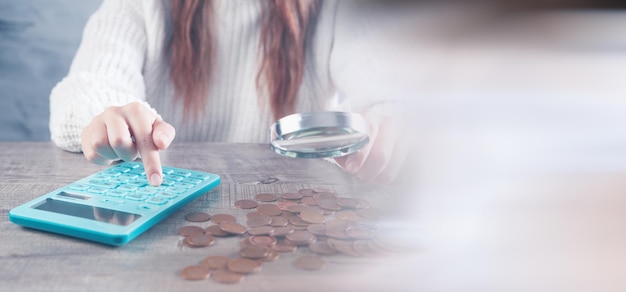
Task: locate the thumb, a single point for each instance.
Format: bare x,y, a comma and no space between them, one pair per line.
162,134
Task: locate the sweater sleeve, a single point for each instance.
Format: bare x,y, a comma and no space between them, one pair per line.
106,71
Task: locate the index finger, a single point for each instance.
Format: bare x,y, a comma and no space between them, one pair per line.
141,128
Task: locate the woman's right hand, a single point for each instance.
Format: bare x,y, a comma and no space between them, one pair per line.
124,132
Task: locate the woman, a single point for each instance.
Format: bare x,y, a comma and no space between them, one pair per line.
212,70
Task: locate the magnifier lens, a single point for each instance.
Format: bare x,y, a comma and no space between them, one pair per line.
319,134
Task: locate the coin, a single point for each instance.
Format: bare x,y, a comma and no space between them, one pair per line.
243,266
284,246
215,262
309,201
233,228
322,248
262,240
364,248
272,256
222,218
246,204
261,230
343,246
261,220
337,232
310,263
196,272
359,232
227,277
311,215
347,215
190,230
284,205
215,230
301,237
199,240
297,208
328,204
268,210
279,221
325,195
348,203
363,204
254,251
266,197
307,192
370,213
197,217
253,214
324,190
282,231
317,229
291,196
297,221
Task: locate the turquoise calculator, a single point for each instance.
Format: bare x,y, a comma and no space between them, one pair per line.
114,205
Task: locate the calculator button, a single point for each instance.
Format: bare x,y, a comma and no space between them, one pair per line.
138,171
199,176
136,197
78,187
167,195
129,176
119,180
127,188
105,184
190,180
184,185
168,183
157,201
182,173
116,193
129,165
167,170
136,184
176,190
146,192
174,177
96,190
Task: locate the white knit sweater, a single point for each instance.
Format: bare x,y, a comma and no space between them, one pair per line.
122,58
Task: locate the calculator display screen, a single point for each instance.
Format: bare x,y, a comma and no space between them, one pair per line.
88,212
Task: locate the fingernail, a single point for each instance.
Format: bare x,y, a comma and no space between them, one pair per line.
155,179
352,166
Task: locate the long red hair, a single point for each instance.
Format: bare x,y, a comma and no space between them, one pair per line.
285,27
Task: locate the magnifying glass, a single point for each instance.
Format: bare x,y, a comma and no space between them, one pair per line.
319,134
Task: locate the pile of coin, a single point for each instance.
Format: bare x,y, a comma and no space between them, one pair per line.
317,219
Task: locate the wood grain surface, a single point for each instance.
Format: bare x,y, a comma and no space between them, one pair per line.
38,261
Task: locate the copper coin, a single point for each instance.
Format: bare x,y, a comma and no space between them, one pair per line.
297,208
309,201
199,240
364,248
310,263
246,204
197,217
190,230
262,240
297,221
216,262
246,242
272,256
301,237
307,192
282,231
328,204
348,203
370,213
311,215
253,214
222,218
268,210
233,228
359,232
325,195
338,222
196,272
227,277
215,230
261,230
257,221
279,221
285,246
322,248
362,203
266,197
337,232
291,196
347,215
287,215
317,229
343,246
284,205
243,266
254,251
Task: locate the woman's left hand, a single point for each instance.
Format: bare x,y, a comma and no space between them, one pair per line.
381,160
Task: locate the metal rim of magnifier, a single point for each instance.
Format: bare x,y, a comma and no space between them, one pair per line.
302,122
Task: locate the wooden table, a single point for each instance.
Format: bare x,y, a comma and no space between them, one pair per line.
38,261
